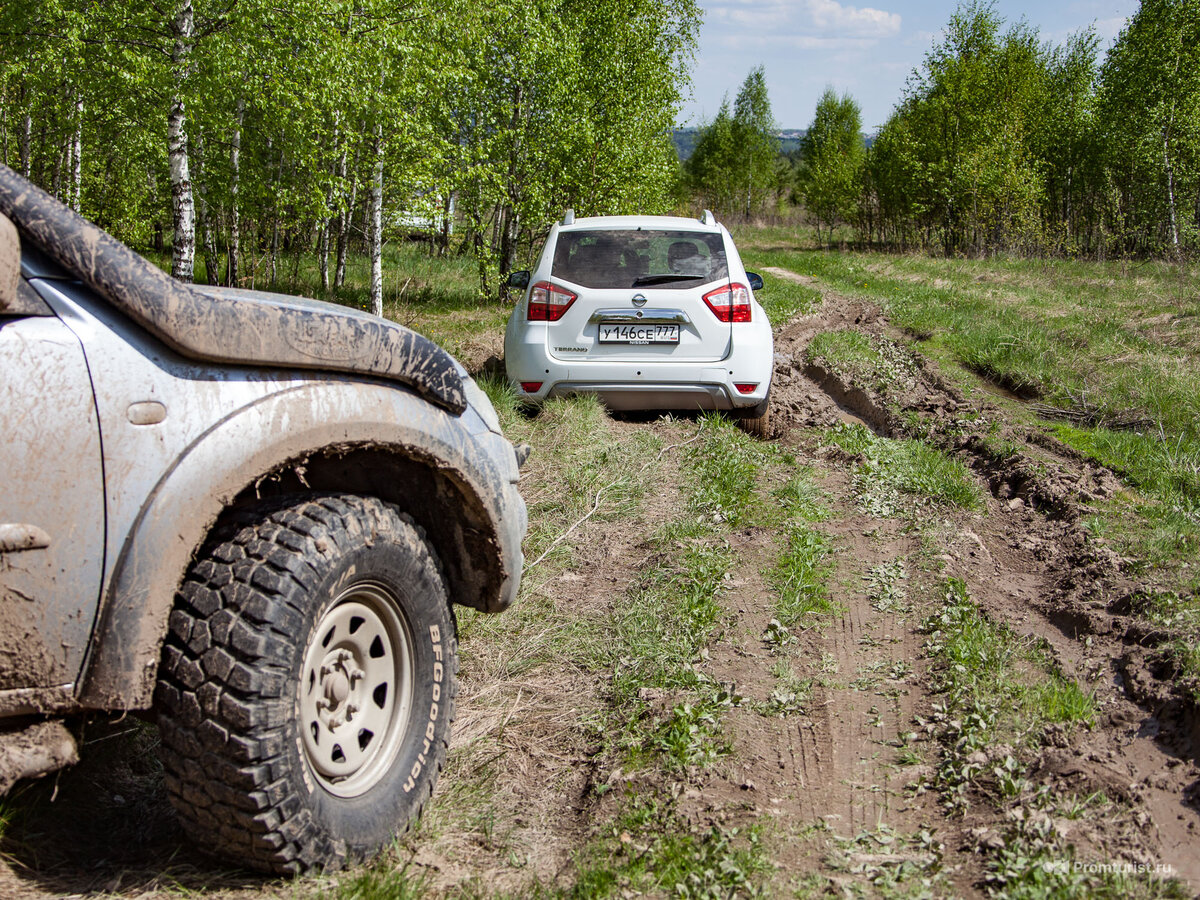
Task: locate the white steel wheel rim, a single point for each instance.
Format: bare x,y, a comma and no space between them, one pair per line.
356,690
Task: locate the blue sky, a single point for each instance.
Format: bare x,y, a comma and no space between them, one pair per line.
865,47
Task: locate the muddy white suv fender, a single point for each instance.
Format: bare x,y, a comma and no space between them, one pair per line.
251,513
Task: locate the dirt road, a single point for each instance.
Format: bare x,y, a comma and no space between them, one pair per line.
852,778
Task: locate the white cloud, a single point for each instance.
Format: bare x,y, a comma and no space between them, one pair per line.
1107,29
770,18
866,22
749,42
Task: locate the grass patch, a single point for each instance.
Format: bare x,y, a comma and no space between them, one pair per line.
1168,470
869,360
782,299
801,498
890,468
382,880
1114,341
650,849
723,473
885,588
799,576
984,665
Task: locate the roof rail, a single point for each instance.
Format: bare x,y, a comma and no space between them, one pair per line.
708,218
569,217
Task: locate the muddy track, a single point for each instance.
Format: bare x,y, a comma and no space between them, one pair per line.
1029,563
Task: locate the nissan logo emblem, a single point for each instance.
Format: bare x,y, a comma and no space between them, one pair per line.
639,299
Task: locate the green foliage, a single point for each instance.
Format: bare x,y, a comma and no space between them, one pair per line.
833,156
501,113
782,299
955,159
383,880
1148,109
732,169
725,464
894,467
1004,142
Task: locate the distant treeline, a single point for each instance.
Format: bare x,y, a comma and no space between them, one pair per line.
685,141
1001,142
242,134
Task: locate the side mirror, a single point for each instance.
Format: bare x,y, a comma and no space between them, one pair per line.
10,263
756,282
518,280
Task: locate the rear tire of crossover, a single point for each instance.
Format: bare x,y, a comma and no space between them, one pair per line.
757,420
307,684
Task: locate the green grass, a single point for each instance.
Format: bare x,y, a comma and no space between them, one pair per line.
723,470
384,879
782,299
980,661
1117,342
801,498
799,577
869,361
577,456
656,637
650,849
890,468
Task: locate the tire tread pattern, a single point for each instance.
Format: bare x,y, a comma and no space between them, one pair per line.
224,695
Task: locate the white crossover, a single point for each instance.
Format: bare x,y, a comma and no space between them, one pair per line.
648,312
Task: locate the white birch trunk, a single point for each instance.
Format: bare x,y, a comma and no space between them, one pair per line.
235,216
347,221
377,226
1170,189
26,143
183,209
76,188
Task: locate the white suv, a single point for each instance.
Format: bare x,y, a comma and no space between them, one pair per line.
648,312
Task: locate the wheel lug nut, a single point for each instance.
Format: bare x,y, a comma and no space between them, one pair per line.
356,674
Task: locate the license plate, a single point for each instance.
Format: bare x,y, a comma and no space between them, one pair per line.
639,334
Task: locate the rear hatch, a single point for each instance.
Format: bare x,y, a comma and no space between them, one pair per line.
639,296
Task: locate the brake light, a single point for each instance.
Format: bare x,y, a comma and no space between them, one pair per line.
745,388
548,302
730,303
531,387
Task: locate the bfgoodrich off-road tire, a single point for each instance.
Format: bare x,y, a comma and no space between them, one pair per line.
307,684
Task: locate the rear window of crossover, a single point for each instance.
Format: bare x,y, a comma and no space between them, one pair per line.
628,259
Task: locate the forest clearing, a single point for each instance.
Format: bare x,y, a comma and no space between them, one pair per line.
920,643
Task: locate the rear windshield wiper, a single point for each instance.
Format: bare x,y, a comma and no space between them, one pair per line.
663,279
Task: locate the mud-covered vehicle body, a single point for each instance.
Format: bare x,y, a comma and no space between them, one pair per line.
250,514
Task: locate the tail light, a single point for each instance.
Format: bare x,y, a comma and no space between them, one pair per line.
531,387
745,388
730,303
548,302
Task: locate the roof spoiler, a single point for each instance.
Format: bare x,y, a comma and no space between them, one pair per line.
708,218
569,217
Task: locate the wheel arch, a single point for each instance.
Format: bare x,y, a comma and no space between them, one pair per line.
383,441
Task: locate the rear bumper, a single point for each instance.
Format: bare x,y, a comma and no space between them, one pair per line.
649,396
648,383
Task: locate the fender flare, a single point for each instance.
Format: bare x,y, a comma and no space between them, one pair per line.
282,428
